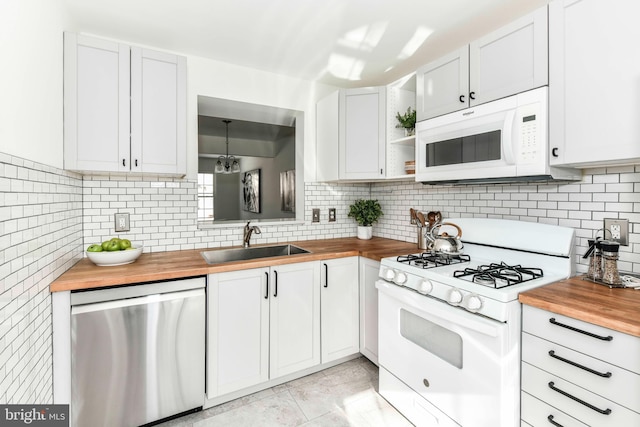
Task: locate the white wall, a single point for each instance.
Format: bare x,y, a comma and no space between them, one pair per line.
31,83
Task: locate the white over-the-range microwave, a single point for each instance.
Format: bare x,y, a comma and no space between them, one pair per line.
503,140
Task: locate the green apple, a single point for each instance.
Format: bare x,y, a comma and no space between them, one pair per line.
94,248
105,244
124,244
112,246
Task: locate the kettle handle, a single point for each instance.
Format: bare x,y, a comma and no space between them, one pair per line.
445,234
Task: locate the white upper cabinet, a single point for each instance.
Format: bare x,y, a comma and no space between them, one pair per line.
593,82
124,108
350,135
443,85
510,60
507,61
96,104
362,133
158,112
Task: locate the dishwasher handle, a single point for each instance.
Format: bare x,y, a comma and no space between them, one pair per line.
130,302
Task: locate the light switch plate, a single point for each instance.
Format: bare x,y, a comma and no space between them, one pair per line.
617,230
315,215
122,222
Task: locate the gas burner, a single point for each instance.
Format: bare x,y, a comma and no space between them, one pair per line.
432,260
499,275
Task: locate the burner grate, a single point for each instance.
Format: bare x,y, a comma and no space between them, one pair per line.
432,260
499,275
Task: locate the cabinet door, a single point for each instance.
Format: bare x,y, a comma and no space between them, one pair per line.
339,308
158,112
369,309
327,119
238,330
442,86
593,79
362,133
510,60
295,317
96,104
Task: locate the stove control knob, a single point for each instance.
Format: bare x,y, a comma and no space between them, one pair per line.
455,296
401,278
473,303
425,286
388,274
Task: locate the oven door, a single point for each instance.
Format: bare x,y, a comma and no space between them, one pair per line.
465,365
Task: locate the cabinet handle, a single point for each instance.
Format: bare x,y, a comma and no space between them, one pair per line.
461,98
577,365
326,275
582,402
550,418
275,284
266,293
571,328
554,151
136,162
123,162
472,95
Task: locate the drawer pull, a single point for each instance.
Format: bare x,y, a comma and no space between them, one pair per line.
600,337
570,396
550,418
577,365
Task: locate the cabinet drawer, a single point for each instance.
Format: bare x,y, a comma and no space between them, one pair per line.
600,377
574,400
538,413
614,347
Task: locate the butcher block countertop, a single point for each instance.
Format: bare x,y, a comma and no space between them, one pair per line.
617,309
188,263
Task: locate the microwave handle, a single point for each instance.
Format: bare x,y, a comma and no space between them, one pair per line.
509,141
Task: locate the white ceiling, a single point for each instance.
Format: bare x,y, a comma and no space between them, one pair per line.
346,43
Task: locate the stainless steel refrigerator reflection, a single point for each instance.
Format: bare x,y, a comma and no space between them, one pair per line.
139,358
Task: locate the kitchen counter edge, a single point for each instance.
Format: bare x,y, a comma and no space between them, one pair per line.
617,309
154,266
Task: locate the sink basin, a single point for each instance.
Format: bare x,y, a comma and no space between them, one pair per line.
241,254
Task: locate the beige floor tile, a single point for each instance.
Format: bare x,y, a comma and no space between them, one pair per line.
274,411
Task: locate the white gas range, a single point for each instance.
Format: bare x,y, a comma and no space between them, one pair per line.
449,328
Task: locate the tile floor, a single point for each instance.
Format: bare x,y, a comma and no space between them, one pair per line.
344,395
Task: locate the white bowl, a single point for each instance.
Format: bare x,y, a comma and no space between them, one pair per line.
116,257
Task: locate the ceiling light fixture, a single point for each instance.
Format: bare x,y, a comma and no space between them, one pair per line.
227,164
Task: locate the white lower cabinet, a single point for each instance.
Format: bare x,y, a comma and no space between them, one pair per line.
369,309
339,308
575,373
262,324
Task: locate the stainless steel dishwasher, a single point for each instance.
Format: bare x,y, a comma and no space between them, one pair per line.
137,352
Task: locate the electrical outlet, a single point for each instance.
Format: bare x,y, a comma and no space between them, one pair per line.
332,214
315,215
122,222
618,230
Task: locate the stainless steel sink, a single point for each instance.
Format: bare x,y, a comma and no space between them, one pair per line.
241,254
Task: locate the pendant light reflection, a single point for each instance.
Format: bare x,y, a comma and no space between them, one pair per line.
227,164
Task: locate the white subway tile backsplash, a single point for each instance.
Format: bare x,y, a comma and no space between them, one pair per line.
40,237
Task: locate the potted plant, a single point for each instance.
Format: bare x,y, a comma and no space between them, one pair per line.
365,212
407,121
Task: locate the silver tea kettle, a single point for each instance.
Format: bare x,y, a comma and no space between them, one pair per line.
444,243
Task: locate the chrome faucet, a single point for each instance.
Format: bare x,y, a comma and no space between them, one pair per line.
247,234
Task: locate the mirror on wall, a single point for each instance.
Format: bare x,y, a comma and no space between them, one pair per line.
247,162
